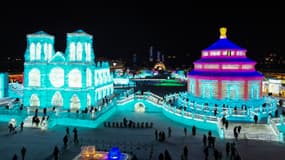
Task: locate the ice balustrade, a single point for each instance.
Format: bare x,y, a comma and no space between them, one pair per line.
274,122
183,101
193,111
138,95
190,115
82,115
125,100
263,137
56,113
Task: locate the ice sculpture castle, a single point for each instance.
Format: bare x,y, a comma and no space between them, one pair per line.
72,80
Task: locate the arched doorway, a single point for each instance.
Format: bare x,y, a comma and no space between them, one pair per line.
34,100
57,100
74,103
139,107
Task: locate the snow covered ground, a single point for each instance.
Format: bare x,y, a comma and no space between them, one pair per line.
139,141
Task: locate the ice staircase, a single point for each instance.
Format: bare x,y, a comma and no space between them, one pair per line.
28,123
252,131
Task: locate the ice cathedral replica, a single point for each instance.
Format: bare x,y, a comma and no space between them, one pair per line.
72,80
225,78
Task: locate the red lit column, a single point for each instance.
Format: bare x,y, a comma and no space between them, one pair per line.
197,88
220,89
245,91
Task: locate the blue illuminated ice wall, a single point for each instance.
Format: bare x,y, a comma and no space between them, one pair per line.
71,80
3,85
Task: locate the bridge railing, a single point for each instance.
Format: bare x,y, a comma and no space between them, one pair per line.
273,123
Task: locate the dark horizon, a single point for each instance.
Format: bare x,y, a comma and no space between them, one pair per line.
120,31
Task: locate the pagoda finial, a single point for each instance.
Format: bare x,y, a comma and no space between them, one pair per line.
223,32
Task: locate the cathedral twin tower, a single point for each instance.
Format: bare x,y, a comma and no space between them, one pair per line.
71,80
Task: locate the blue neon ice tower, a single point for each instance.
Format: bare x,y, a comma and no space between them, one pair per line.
71,80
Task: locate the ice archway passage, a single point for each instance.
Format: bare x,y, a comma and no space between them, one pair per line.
139,107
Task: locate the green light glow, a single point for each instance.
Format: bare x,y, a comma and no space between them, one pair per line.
169,84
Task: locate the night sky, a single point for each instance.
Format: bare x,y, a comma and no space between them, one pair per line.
119,30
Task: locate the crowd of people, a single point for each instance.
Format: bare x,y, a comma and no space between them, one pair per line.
209,146
128,124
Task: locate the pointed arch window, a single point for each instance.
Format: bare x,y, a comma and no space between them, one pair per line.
79,51
75,78
88,51
88,100
72,51
57,100
46,51
34,100
49,51
32,52
88,77
74,102
38,51
34,78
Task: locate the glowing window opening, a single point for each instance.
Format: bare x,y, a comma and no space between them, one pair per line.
79,51
56,77
72,51
57,100
34,78
198,66
88,77
34,100
75,78
32,52
246,66
211,66
230,66
46,51
38,51
49,51
205,53
74,103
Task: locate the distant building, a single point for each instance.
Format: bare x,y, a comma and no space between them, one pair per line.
274,87
71,80
158,56
151,54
